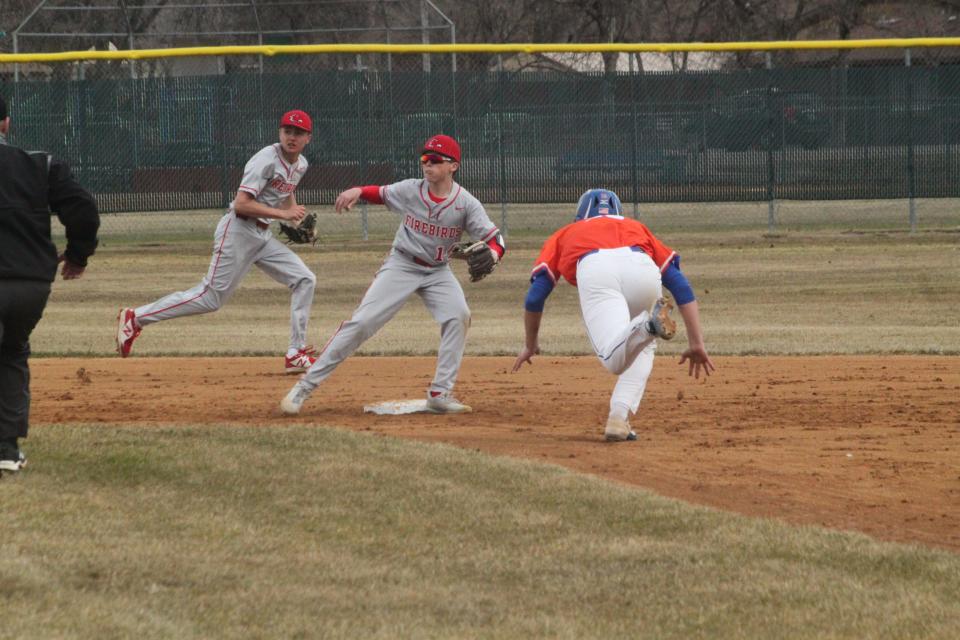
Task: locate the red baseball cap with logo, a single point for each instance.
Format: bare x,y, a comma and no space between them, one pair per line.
444,145
298,119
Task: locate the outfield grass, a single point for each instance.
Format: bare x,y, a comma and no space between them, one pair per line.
538,220
299,532
834,290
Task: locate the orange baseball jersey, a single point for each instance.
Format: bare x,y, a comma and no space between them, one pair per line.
562,250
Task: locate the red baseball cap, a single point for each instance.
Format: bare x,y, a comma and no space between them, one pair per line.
444,145
298,119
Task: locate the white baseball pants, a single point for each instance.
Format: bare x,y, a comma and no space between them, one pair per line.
618,287
238,244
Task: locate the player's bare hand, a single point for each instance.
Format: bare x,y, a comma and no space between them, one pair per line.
526,355
69,271
698,359
293,214
347,199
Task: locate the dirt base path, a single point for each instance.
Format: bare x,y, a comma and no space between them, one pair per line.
864,443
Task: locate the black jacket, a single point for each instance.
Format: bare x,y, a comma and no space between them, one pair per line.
31,185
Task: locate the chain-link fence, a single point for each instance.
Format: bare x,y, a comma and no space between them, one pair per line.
887,130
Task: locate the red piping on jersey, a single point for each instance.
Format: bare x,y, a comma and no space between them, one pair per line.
212,274
666,263
249,190
490,235
452,200
425,203
276,150
429,206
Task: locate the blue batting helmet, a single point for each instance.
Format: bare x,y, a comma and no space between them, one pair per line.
598,202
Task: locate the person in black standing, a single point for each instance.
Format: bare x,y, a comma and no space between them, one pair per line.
32,184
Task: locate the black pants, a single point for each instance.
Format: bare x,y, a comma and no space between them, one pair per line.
21,306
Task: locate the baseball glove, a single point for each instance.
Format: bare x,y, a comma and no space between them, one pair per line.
481,260
303,233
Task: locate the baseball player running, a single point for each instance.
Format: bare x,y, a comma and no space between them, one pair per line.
243,239
433,213
618,266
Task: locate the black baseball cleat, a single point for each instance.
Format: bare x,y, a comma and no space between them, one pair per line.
660,323
11,458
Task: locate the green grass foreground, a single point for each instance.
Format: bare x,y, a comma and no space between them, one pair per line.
298,532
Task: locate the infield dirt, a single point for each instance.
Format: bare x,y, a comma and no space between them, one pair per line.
866,443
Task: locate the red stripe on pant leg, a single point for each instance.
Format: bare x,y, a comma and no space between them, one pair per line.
212,276
358,306
320,353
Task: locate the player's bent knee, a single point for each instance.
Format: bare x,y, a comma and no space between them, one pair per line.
213,299
308,280
614,365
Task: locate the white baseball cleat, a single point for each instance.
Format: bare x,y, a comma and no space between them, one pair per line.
293,401
443,402
618,430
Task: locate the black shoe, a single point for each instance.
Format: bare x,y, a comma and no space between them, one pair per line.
11,458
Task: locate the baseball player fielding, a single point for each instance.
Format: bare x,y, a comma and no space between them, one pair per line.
242,240
434,213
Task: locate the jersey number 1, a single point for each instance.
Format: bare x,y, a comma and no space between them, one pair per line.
439,254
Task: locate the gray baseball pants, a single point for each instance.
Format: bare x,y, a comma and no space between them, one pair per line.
399,278
238,244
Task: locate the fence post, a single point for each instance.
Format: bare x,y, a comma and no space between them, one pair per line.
362,87
501,159
911,169
220,105
771,203
636,135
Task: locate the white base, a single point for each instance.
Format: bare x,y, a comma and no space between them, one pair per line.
397,407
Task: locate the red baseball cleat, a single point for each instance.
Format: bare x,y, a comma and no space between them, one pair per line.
301,360
127,331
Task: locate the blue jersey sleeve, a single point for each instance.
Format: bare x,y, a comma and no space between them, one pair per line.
677,283
540,287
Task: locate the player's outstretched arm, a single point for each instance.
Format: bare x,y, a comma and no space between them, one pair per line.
531,324
696,352
347,199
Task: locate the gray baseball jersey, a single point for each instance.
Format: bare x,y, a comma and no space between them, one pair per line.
428,229
269,178
417,265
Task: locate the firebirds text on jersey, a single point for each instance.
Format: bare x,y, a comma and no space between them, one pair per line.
430,229
282,185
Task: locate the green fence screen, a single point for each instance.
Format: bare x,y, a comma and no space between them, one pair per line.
824,133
